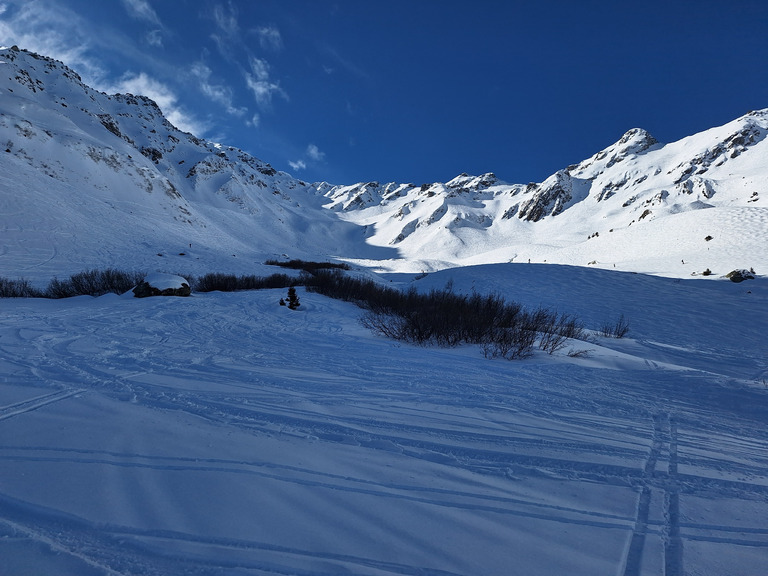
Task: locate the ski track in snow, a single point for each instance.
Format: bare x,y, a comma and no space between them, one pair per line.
223,434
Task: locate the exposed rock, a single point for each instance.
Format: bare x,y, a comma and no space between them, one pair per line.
550,198
740,275
162,285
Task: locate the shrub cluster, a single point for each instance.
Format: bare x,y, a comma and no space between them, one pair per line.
310,267
617,329
18,289
231,283
444,318
93,283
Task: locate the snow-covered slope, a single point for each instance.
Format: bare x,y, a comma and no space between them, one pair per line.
92,180
88,179
225,435
637,205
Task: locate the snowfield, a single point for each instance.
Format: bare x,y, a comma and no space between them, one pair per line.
225,434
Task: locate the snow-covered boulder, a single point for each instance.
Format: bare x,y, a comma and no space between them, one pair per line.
158,284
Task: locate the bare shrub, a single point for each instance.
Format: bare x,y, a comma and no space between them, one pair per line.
93,283
444,318
230,283
616,329
308,266
20,288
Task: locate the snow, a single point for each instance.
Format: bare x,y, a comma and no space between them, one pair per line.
163,281
154,198
225,434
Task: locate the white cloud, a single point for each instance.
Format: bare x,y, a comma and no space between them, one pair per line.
254,121
144,85
227,33
259,83
314,153
218,93
155,38
141,10
270,38
226,19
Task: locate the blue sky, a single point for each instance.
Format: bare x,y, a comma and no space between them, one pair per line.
418,90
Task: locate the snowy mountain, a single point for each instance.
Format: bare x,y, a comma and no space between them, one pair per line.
223,434
88,179
637,204
75,159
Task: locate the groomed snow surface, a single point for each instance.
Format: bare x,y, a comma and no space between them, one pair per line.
225,434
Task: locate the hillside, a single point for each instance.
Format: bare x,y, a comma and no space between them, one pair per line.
153,197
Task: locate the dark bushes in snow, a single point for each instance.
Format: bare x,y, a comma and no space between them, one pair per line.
94,283
441,317
308,266
18,289
445,318
617,329
231,283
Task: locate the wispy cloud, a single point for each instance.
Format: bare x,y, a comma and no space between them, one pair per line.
218,93
47,28
259,82
345,63
141,10
314,153
270,38
164,97
155,38
227,29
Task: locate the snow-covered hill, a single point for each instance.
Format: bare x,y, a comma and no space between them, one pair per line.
73,159
88,179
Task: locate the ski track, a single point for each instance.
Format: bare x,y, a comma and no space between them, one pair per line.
188,358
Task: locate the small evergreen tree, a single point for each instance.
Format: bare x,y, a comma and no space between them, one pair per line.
293,299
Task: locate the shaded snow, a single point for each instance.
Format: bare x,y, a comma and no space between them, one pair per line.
225,434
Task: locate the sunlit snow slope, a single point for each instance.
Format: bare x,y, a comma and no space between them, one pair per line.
92,180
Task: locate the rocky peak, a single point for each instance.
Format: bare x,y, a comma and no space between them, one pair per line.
633,143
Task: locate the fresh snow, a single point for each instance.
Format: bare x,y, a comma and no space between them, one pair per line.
163,281
223,434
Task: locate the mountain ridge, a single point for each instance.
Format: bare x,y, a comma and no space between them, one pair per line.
115,166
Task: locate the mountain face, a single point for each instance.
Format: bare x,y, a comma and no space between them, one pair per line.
89,179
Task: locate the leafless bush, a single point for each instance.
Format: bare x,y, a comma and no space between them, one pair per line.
617,329
232,283
20,288
93,283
